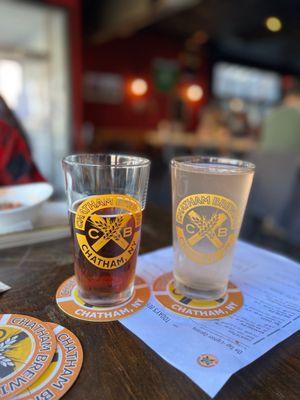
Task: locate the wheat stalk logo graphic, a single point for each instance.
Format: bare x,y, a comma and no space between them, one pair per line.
111,229
5,346
206,228
8,363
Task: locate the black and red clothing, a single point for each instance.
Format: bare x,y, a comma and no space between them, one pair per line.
16,164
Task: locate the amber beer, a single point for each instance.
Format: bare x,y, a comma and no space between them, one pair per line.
106,196
101,268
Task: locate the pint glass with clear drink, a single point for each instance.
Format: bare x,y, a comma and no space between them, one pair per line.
106,196
209,197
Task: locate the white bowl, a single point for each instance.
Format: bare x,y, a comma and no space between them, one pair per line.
31,196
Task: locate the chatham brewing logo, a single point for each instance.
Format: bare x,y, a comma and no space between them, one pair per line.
69,301
62,371
207,360
168,295
206,226
107,229
15,349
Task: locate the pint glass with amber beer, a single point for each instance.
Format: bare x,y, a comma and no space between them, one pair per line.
106,197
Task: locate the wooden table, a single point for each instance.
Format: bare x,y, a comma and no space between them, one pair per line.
117,365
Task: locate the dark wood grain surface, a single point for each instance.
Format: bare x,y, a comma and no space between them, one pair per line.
117,365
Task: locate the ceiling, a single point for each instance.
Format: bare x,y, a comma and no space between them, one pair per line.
235,28
103,20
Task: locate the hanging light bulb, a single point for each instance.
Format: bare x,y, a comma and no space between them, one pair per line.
194,92
273,24
139,87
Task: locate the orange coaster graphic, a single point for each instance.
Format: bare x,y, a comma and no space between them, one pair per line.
68,301
207,360
166,293
27,346
63,370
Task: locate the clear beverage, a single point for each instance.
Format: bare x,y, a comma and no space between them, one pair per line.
209,199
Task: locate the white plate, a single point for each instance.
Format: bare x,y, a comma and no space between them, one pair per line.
31,196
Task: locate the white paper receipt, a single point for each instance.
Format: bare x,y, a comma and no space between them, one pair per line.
4,287
262,310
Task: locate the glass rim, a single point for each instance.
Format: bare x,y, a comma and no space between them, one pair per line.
138,161
186,161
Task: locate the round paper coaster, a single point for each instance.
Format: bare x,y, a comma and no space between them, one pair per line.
68,301
166,293
63,370
27,346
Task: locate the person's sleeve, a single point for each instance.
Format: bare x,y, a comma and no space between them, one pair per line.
17,164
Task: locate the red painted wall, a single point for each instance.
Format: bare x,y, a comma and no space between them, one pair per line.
133,57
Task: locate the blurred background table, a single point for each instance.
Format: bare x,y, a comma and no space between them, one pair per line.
117,365
193,142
